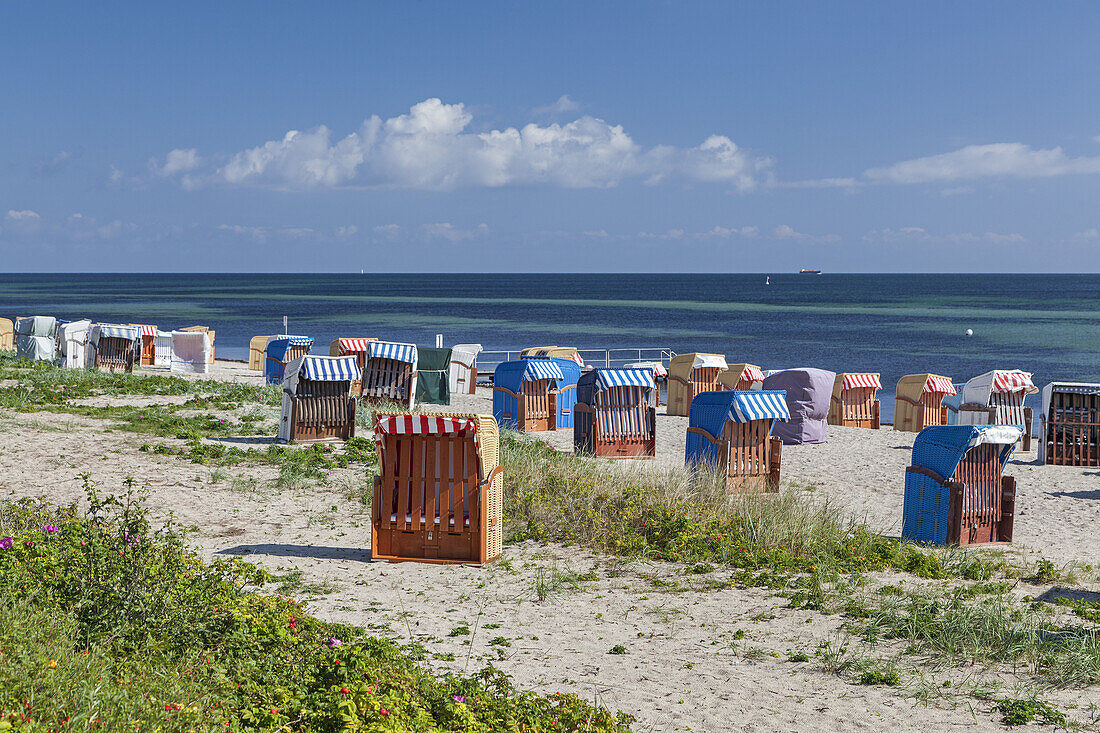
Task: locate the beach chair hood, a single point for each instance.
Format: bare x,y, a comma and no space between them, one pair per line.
913,386
344,346
73,343
710,411
433,379
655,367
463,363
596,381
36,338
736,372
106,330
190,352
808,393
979,389
257,349
407,353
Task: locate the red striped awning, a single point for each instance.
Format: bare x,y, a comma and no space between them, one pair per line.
149,331
867,379
577,358
753,374
351,346
939,384
1012,381
422,425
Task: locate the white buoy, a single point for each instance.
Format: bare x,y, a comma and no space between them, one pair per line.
969,332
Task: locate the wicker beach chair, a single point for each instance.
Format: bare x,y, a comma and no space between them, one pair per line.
113,347
281,350
997,398
808,393
1070,424
854,403
36,338
7,334
147,344
72,342
615,417
389,373
257,352
689,375
208,332
318,403
357,347
955,490
741,377
433,376
918,403
464,368
439,493
731,430
190,352
525,394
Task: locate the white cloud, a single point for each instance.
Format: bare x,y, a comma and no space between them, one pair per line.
561,106
387,230
998,160
448,231
177,161
786,232
919,235
824,183
1088,234
257,233
26,215
348,231
430,148
783,231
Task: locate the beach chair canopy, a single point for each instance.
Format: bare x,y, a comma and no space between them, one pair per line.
734,373
73,343
113,331
558,352
942,447
510,374
808,393
436,425
710,411
433,383
856,380
320,369
999,381
682,364
35,338
655,367
406,353
342,346
914,386
596,381
1082,388
467,352
190,352
279,345
463,364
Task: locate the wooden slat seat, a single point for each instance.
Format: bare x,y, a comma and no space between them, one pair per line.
387,380
620,424
322,410
114,355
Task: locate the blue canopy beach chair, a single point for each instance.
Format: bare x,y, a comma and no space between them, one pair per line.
731,431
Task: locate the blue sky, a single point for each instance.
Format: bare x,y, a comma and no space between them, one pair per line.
442,136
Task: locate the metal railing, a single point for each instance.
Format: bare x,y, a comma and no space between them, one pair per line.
487,361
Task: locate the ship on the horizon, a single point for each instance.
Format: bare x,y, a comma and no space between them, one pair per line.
804,271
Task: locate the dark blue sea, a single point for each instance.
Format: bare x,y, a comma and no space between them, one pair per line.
893,324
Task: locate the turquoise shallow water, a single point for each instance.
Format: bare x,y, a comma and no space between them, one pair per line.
893,324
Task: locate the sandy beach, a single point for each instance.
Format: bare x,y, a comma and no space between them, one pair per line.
695,658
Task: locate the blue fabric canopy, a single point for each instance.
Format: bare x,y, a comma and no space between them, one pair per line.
607,378
759,405
391,350
541,369
331,368
710,411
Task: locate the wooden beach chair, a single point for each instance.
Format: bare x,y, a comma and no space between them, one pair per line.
1070,424
730,430
433,376
919,401
7,334
689,375
615,417
389,373
281,350
854,403
464,368
740,377
318,403
525,394
438,494
357,347
257,352
147,344
114,348
997,398
955,490
207,331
